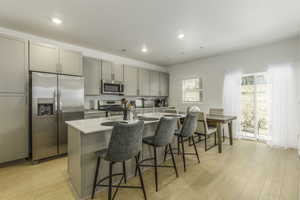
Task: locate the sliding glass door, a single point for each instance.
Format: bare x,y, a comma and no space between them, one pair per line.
254,106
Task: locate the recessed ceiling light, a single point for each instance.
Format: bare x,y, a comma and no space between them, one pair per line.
144,49
56,20
180,36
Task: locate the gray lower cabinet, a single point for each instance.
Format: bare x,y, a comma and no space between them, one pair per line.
71,62
13,65
43,57
144,82
131,80
92,76
154,83
14,137
163,84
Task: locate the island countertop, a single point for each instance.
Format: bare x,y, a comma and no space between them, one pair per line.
87,126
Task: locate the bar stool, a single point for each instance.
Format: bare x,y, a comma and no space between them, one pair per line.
185,134
125,143
163,138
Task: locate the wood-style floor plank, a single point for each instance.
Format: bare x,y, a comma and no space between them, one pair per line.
248,170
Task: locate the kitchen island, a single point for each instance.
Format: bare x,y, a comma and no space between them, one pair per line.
85,137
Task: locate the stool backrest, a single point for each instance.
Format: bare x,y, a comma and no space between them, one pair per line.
216,111
189,125
202,126
125,142
165,131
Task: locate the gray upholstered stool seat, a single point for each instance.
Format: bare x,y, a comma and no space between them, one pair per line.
163,138
125,143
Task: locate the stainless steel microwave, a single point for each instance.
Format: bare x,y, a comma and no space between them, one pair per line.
112,88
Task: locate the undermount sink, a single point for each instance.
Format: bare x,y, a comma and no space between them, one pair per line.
148,118
172,115
113,123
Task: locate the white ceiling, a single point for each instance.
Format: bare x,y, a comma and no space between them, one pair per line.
112,25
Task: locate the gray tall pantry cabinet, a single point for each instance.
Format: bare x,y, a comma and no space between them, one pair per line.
13,99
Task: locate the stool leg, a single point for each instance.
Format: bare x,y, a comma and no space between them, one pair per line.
155,168
110,180
178,146
173,159
195,149
205,142
166,151
140,175
183,154
136,168
96,177
124,172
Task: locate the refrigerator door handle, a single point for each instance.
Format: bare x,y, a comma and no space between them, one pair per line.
55,101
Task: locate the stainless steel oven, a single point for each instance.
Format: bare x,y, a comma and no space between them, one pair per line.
112,88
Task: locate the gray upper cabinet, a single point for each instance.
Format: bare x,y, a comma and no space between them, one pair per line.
71,62
112,71
118,72
49,58
106,68
44,58
154,83
144,82
13,65
163,84
131,80
92,76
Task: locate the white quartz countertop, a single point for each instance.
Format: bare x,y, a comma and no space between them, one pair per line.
87,126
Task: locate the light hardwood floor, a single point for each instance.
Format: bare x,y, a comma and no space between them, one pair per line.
246,171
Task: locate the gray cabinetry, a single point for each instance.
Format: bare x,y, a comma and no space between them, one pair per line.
13,99
106,68
118,72
112,71
154,83
44,58
144,82
13,62
14,127
163,84
131,80
71,62
92,76
49,58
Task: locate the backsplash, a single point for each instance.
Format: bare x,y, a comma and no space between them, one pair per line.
110,97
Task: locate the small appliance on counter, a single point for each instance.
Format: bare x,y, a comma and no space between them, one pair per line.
139,103
161,102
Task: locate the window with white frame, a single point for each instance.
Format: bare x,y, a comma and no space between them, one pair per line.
192,90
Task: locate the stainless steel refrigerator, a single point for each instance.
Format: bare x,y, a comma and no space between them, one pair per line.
54,100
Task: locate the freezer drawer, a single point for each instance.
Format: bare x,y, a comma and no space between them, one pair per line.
14,138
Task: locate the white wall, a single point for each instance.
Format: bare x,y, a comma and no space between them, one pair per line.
212,71
85,51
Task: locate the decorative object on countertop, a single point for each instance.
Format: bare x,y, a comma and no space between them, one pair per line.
125,144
